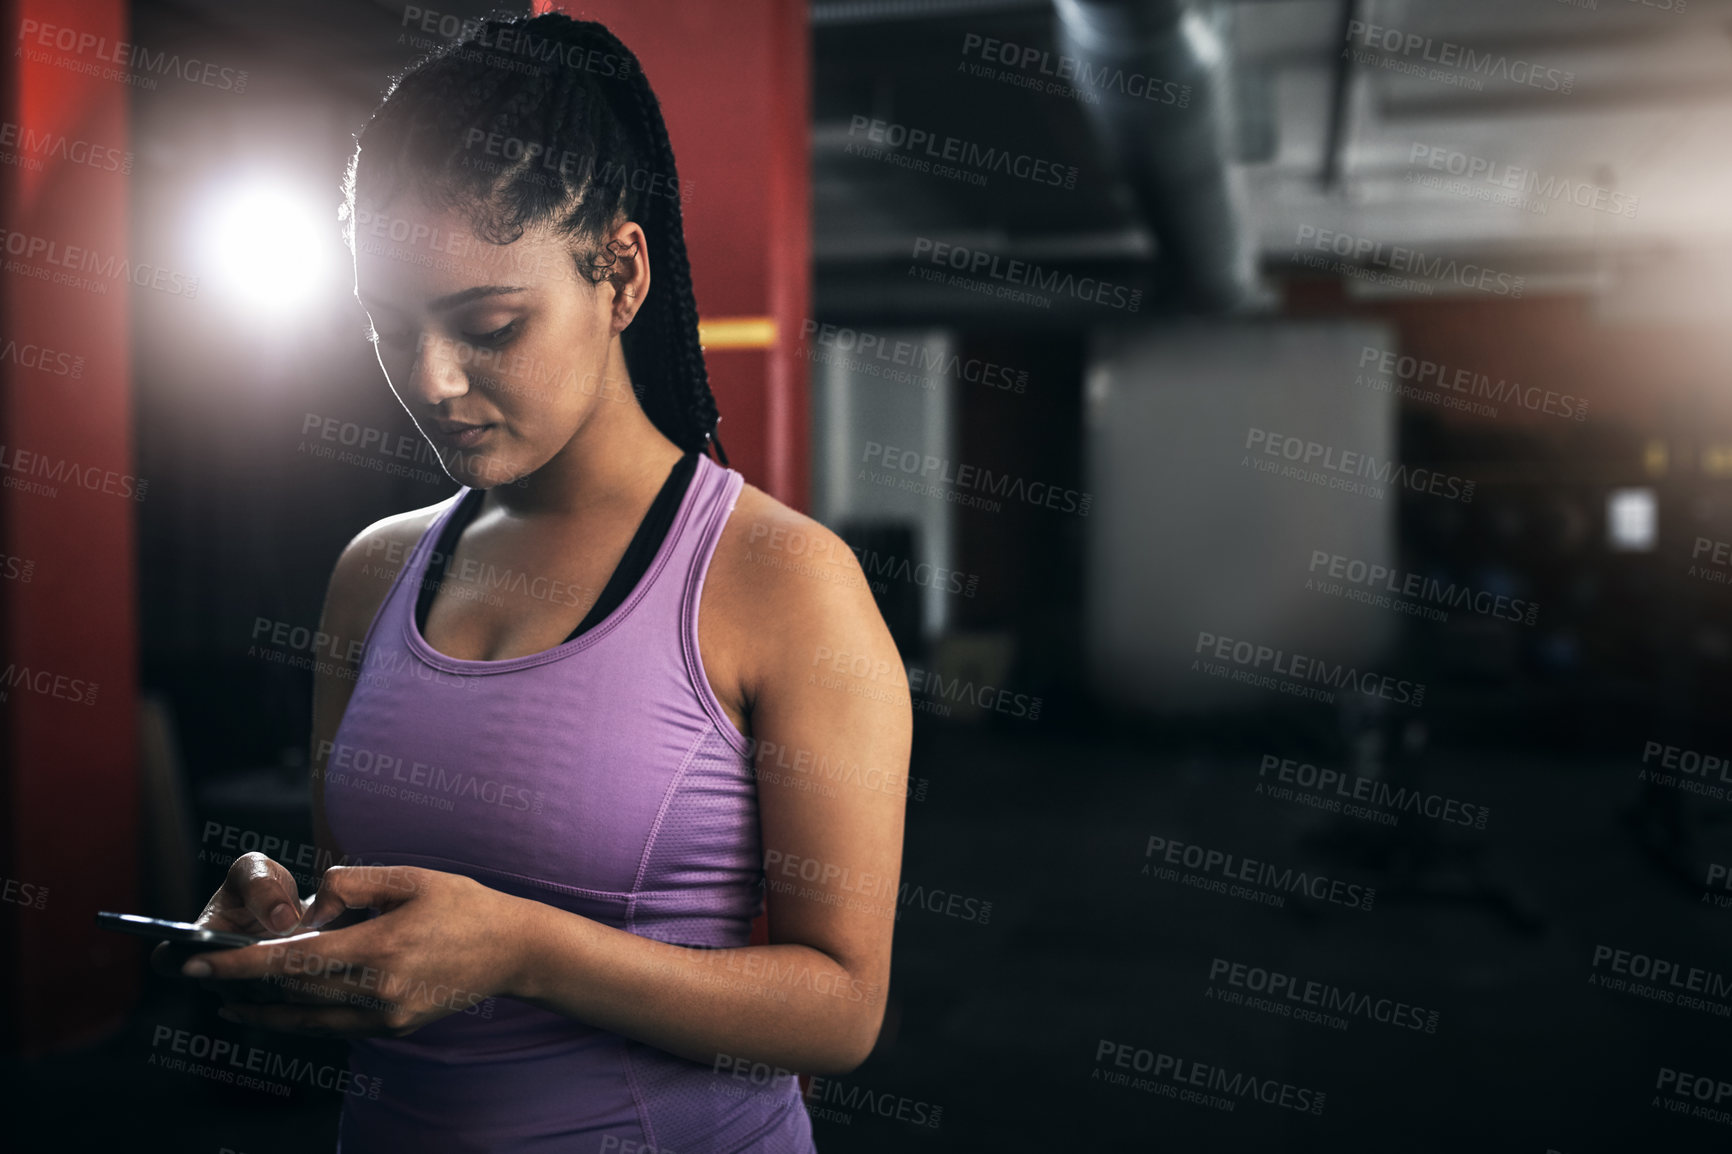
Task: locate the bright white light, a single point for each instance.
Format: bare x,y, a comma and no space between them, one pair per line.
1632,520
269,248
1205,44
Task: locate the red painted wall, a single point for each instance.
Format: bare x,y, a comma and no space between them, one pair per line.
69,631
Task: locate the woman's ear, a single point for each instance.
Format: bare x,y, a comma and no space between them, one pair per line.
628,273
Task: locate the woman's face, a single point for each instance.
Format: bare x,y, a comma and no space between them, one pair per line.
499,352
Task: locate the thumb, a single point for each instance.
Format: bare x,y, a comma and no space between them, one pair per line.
344,888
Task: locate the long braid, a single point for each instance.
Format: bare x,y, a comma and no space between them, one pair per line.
678,351
423,131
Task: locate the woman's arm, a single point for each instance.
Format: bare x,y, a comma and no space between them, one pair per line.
830,726
359,583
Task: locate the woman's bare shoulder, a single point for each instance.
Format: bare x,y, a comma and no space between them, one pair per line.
368,565
767,546
787,577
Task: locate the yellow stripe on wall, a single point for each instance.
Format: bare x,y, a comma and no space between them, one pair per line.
737,333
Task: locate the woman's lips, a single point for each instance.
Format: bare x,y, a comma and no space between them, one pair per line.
462,436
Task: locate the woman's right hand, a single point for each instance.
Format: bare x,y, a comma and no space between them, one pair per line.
258,897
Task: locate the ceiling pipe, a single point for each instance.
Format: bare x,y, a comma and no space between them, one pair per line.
1155,74
827,13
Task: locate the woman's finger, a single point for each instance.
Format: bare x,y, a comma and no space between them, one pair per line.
267,890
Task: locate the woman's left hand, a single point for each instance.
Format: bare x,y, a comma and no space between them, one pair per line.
441,944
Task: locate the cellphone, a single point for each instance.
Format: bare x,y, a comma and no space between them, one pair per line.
182,933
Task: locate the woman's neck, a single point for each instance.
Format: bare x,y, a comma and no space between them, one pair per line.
616,457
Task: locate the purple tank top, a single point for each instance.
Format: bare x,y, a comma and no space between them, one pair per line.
602,777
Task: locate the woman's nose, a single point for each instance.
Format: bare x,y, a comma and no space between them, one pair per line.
436,373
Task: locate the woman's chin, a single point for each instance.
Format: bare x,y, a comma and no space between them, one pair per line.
477,470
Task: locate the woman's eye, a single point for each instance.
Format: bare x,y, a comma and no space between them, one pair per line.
496,337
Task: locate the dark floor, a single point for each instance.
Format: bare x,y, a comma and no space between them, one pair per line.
996,1021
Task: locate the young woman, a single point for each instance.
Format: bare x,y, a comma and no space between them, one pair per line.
609,706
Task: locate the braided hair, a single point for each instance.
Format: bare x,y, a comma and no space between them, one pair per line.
550,121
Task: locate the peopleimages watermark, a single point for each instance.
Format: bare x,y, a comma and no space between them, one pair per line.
1347,470
1511,185
1715,569
46,683
1413,594
826,1098
412,780
299,637
1296,673
1248,879
974,262
250,1066
943,901
1196,1083
22,893
1661,980
1651,5
556,167
1689,769
397,238
469,579
1378,256
833,884
305,862
382,450
308,972
28,148
1462,65
30,355
298,647
1703,1088
856,674
766,976
384,661
369,447
1718,875
950,156
866,352
941,477
22,467
39,42
62,266
808,770
934,693
509,372
1367,798
1028,67
823,555
757,987
521,49
1338,267
1306,1000
14,568
838,1100
1433,383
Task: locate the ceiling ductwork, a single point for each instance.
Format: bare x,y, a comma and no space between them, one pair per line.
1160,95
827,13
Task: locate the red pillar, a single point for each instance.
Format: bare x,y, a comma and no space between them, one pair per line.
733,79
68,633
